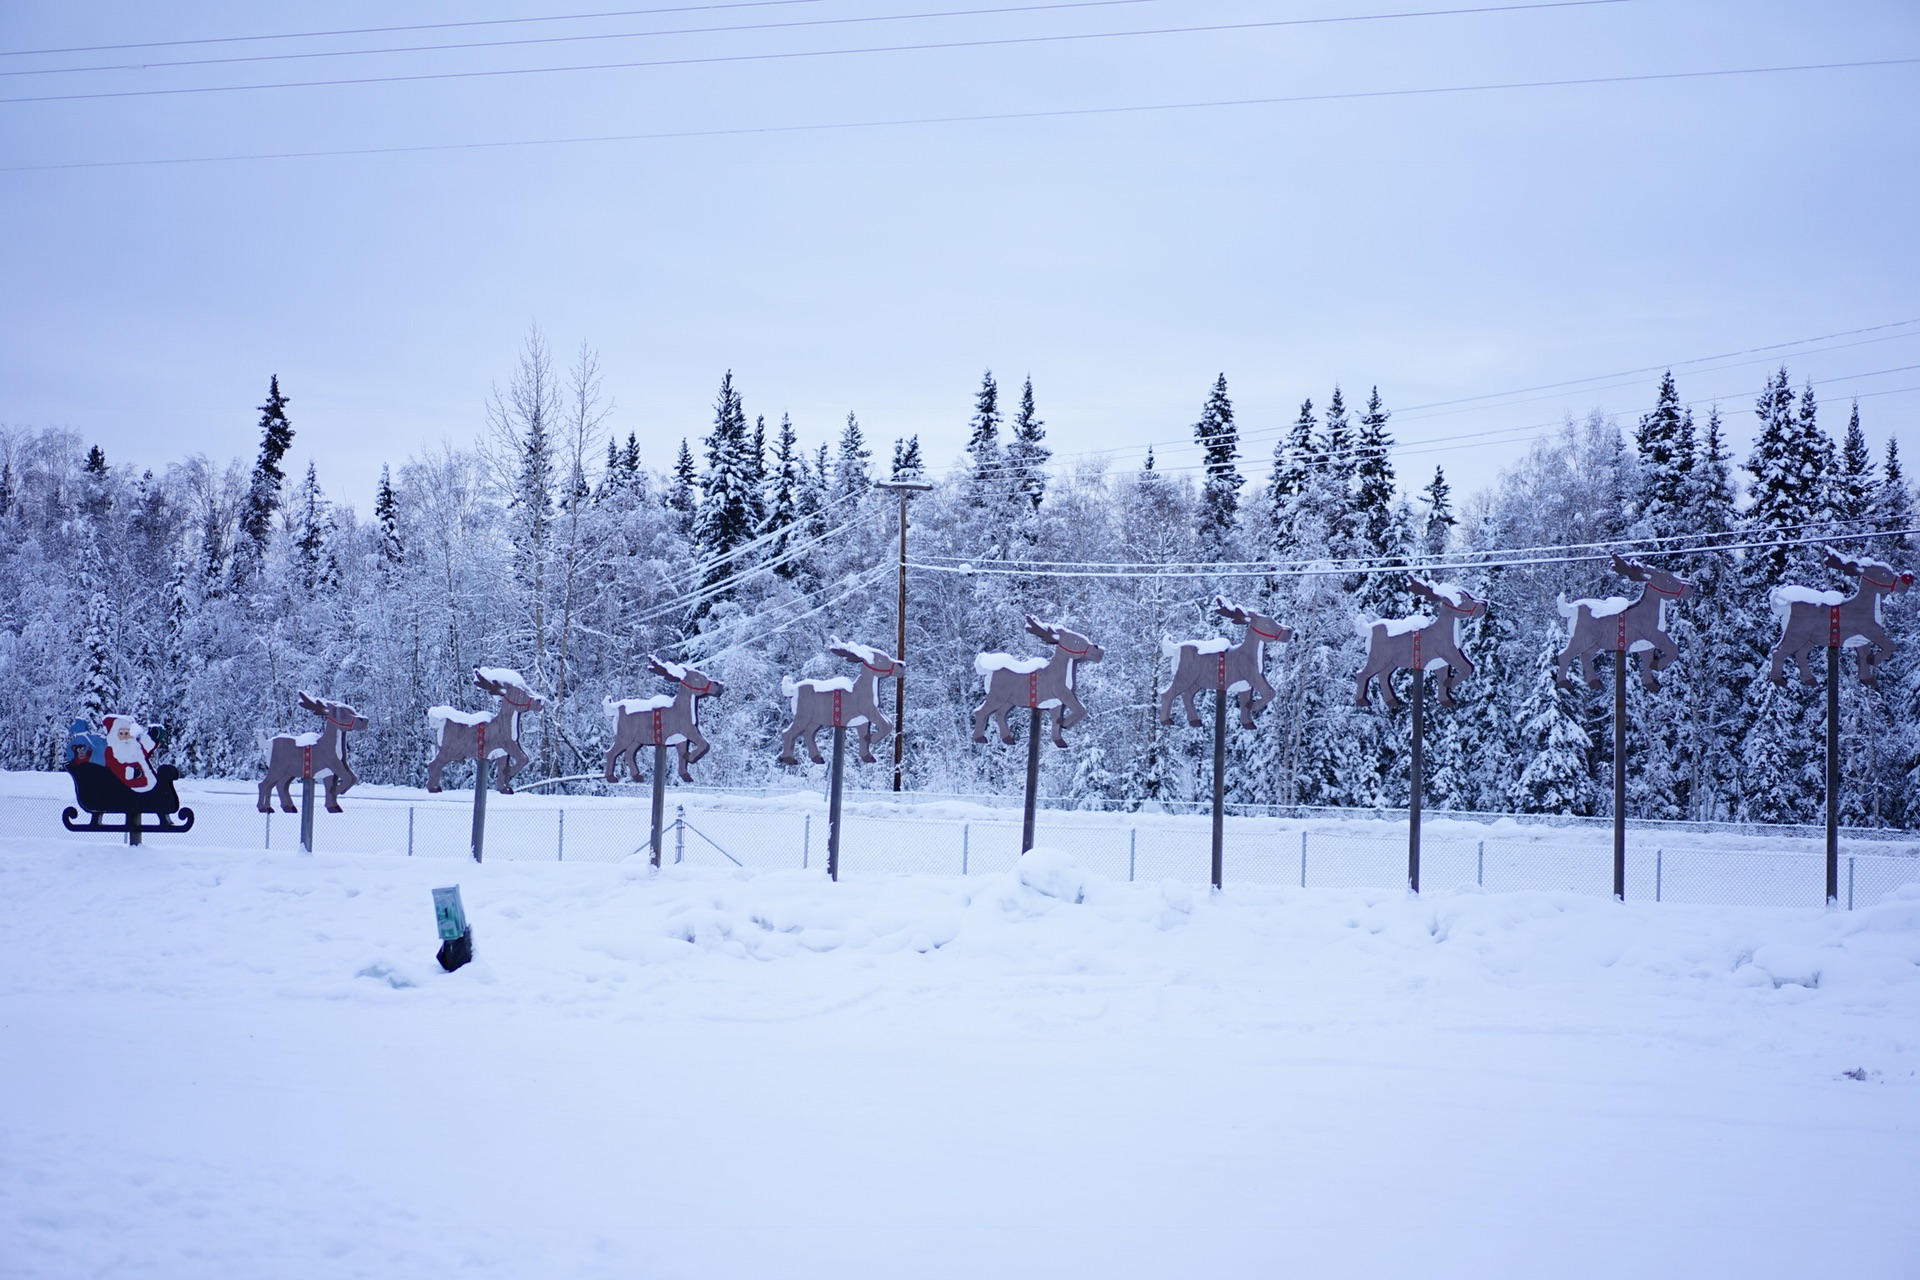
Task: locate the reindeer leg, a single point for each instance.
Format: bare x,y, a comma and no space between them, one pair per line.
685,776
513,762
333,794
813,745
1806,664
433,772
980,723
1166,706
1057,717
1866,666
698,742
1564,660
1006,730
1193,715
1360,683
1776,671
266,794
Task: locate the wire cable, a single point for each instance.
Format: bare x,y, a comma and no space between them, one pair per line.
792,54
601,35
1402,567
423,26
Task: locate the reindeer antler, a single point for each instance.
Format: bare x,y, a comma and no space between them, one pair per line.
485,685
1422,589
659,668
1852,568
310,703
1045,630
1228,609
1632,570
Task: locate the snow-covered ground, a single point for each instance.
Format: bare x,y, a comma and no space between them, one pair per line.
220,1062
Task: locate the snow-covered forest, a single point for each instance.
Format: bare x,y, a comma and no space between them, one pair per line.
204,596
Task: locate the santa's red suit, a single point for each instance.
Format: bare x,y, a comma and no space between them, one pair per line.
130,753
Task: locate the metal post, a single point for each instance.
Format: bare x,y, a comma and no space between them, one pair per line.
1416,780
1849,882
1480,866
833,802
562,849
409,831
966,833
1659,873
266,837
1133,847
806,838
306,814
478,843
1219,780
133,828
1620,776
1033,779
659,796
679,833
1833,774
1303,858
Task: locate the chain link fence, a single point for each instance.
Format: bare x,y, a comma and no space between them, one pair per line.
771,833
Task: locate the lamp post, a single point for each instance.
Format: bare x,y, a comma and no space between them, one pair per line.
905,489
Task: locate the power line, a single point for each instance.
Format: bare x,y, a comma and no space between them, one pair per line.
788,55
424,26
600,35
1153,572
979,118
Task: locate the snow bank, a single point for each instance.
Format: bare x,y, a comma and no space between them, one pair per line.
233,1065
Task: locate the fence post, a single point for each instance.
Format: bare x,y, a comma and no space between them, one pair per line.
1849,882
1303,857
409,831
1658,869
965,829
679,832
1133,847
806,838
561,852
266,841
1480,867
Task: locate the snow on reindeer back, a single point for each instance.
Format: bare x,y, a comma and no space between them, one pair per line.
639,706
986,664
1394,626
1212,644
1784,597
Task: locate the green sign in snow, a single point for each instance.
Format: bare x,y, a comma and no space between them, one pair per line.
449,914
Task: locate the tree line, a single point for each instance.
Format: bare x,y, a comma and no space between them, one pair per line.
204,596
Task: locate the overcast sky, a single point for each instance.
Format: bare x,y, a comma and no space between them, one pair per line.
1441,245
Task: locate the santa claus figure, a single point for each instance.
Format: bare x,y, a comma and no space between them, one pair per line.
130,753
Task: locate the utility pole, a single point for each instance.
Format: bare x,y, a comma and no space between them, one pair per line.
905,489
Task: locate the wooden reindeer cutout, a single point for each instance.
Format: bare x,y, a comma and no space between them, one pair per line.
479,735
666,719
1223,665
1623,626
1040,683
847,702
1419,642
1812,620
312,755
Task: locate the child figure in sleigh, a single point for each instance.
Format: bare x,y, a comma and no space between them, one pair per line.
113,773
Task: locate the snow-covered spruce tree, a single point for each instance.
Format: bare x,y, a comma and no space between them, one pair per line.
1383,535
683,491
1559,777
908,461
725,520
1436,529
310,517
1027,454
983,444
100,685
850,474
265,484
1853,483
1219,441
1791,469
783,497
1295,454
386,517
1664,441
1340,462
